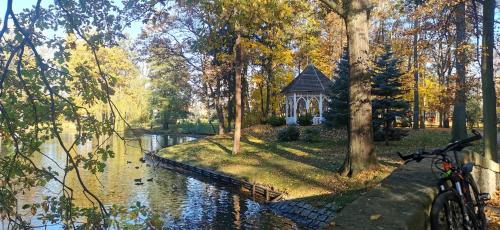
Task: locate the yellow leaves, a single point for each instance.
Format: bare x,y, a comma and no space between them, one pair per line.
375,217
430,90
120,72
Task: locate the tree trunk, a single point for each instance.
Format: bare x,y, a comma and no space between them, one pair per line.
416,98
459,129
268,97
361,153
237,96
488,84
219,109
231,110
263,112
446,120
422,120
440,125
270,86
245,93
243,90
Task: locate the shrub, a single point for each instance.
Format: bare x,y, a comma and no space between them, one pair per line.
276,121
392,134
311,135
290,133
305,120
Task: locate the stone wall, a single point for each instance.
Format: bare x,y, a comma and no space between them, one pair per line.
403,200
486,172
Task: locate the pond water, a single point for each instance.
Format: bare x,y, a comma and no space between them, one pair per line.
186,202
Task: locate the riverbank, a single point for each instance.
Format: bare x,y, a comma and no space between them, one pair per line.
192,129
159,131
303,171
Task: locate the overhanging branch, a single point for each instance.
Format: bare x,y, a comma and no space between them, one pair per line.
335,6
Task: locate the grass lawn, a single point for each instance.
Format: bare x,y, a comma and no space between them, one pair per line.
305,171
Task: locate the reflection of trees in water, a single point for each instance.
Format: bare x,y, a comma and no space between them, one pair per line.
116,184
168,193
185,202
236,208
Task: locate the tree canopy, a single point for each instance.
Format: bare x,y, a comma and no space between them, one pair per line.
69,65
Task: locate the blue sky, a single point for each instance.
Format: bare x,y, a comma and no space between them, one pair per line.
18,5
133,31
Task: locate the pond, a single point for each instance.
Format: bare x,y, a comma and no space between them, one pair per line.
184,201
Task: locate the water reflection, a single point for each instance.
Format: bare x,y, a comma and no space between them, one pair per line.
186,202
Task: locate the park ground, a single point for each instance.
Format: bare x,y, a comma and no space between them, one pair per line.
303,170
493,212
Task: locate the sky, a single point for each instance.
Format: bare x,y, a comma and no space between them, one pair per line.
133,31
18,5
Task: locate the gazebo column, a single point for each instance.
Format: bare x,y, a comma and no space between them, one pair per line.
308,100
295,107
320,109
286,106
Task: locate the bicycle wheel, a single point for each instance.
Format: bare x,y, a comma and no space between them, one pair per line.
474,204
446,212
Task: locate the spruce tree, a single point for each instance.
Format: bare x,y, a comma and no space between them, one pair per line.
337,114
387,103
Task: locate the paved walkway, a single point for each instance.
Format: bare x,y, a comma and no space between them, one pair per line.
401,201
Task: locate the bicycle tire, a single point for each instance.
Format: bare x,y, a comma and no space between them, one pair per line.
448,201
479,213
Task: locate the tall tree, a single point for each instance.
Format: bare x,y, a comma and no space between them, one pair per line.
337,114
459,128
416,99
237,66
130,94
488,84
171,91
356,15
388,103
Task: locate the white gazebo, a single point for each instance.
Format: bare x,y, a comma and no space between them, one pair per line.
307,94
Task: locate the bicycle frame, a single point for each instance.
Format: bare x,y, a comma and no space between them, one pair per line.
456,176
455,184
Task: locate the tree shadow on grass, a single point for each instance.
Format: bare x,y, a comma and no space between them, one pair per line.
321,162
294,175
224,148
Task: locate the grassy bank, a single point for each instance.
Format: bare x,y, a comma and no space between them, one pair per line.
303,170
199,128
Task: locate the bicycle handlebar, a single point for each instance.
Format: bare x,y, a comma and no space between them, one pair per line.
459,145
455,146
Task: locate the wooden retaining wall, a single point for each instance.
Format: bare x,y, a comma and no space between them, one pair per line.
269,195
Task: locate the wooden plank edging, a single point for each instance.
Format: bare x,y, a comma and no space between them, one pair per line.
268,194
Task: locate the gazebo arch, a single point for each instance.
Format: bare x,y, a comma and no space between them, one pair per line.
302,106
314,106
311,86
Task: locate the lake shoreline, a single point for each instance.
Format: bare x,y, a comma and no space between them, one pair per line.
155,131
299,212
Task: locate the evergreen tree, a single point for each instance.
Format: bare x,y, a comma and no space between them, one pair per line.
388,103
337,114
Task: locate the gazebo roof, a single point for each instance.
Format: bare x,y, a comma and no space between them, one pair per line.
311,79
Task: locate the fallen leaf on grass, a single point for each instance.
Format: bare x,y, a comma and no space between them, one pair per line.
375,217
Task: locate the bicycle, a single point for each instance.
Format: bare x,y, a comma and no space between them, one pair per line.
459,204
